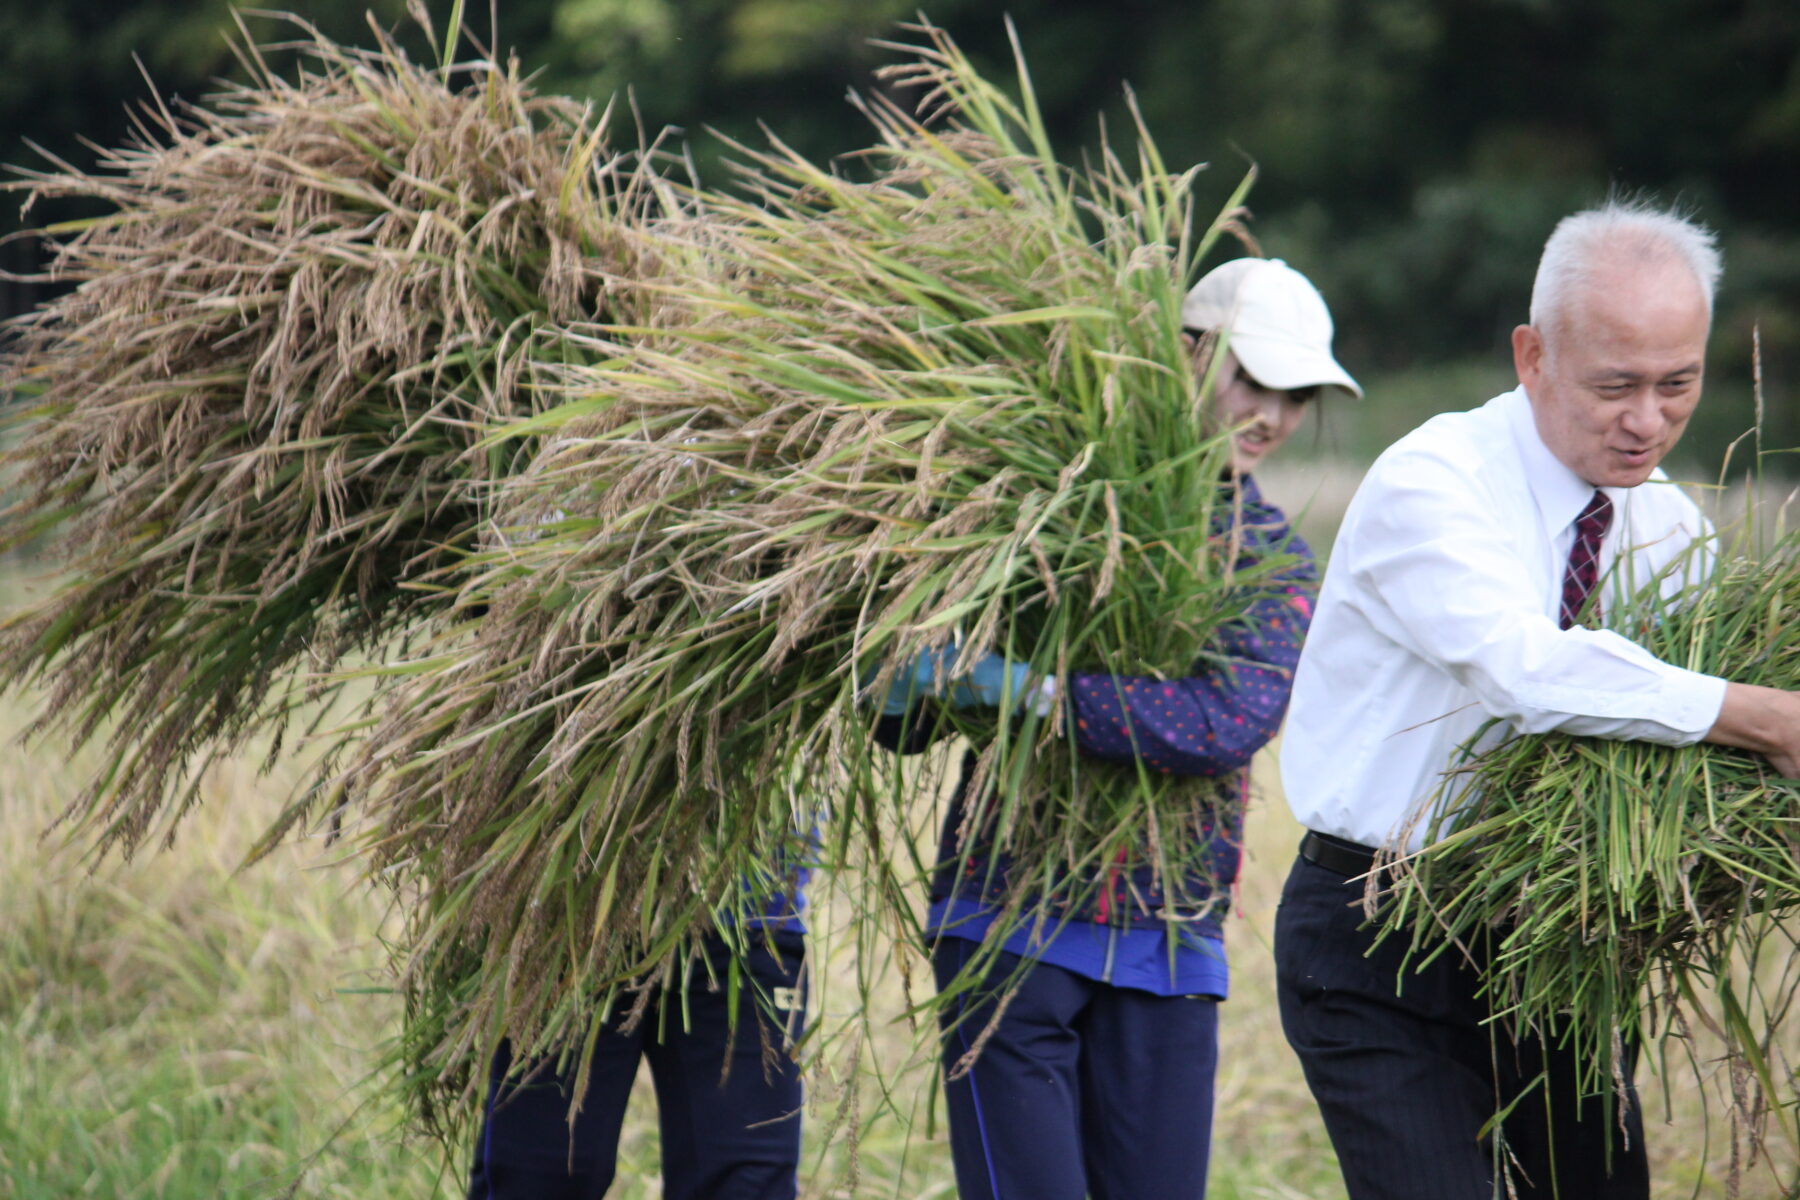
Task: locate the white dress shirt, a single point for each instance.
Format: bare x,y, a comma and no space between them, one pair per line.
1439,610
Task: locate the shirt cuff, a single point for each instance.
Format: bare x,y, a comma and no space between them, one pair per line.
1680,710
1700,699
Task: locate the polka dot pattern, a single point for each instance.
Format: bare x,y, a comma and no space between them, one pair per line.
1213,721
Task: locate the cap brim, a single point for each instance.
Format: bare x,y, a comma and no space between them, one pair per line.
1283,365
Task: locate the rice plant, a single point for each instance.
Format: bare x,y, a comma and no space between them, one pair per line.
1626,893
629,495
943,403
254,426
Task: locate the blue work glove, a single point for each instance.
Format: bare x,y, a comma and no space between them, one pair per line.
991,680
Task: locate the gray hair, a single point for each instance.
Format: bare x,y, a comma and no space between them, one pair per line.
1632,227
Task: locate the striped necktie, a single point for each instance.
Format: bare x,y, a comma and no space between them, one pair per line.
1584,556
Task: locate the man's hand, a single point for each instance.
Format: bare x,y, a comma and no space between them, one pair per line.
1766,720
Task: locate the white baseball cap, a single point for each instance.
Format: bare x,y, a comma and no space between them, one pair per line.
1273,319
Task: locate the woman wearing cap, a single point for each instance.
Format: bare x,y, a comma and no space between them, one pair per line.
1097,1077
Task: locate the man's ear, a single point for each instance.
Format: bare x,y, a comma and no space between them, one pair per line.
1528,355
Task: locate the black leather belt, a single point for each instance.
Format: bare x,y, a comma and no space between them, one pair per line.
1336,854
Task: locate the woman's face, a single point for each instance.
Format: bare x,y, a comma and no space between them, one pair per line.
1259,418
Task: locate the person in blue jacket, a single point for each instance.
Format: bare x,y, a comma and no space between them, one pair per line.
1097,1077
728,1092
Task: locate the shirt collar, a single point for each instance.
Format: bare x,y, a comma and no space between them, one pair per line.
1244,486
1560,493
1243,497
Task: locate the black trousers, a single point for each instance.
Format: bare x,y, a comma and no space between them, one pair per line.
730,1138
1407,1076
1083,1089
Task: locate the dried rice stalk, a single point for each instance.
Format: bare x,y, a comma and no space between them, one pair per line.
637,492
257,419
864,417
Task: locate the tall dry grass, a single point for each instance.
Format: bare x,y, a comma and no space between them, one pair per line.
179,1026
635,491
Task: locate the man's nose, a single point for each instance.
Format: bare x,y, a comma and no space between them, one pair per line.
1643,417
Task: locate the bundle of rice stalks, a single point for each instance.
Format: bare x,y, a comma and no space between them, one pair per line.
1625,893
255,426
949,403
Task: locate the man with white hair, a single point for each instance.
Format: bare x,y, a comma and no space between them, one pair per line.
1452,596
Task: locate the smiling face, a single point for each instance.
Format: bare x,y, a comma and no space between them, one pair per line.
1260,418
1614,377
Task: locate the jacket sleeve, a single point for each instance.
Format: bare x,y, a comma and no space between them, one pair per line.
1208,723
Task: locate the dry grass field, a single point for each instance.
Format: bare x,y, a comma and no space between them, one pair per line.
176,1027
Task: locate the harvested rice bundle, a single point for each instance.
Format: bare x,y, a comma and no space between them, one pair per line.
255,426
1626,890
949,403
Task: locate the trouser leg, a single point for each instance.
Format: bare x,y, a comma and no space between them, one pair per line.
527,1148
729,1099
1147,1069
1408,1073
1404,1081
1015,1115
1560,1143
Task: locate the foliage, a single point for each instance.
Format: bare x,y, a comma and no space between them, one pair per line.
1363,116
1378,126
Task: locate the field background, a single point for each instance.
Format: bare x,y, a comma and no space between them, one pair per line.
177,1027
